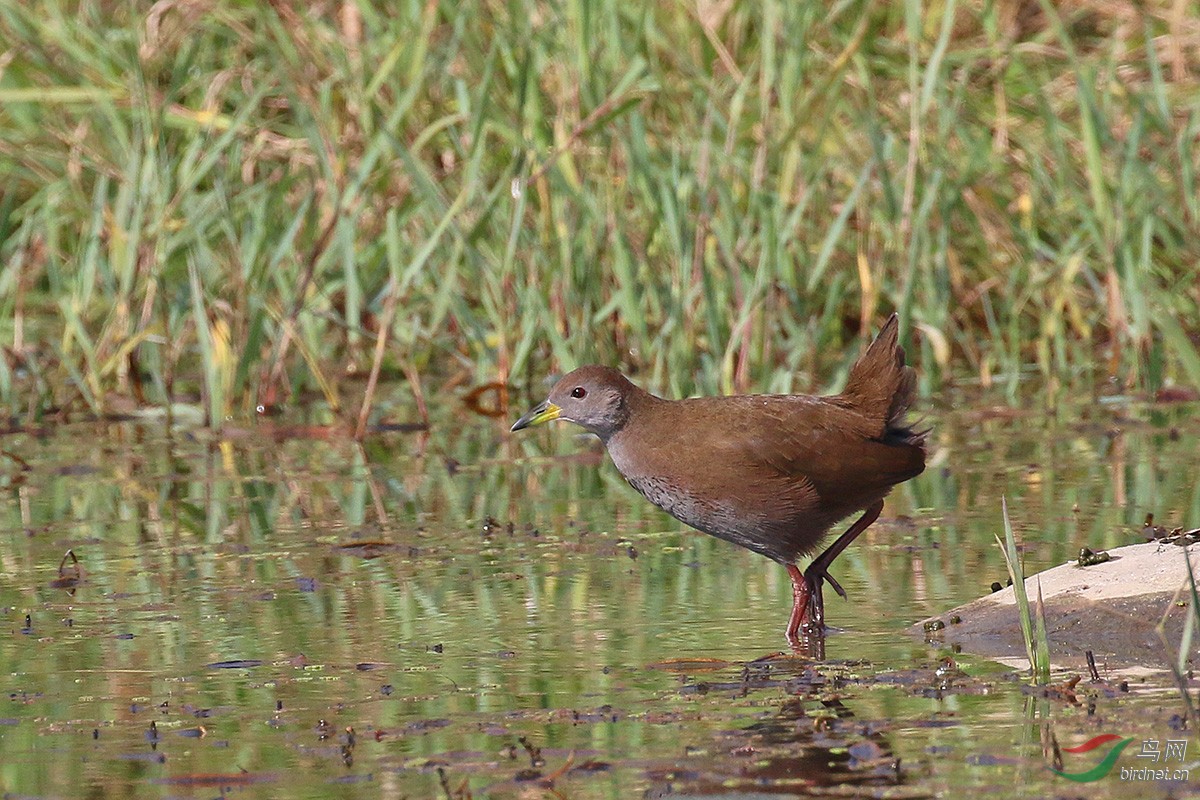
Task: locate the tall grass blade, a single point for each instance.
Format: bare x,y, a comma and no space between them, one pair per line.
1179,665
1039,666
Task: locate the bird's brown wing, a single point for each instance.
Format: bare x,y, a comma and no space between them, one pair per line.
812,440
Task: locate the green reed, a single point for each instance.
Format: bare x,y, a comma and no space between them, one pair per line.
220,201
1032,616
1179,658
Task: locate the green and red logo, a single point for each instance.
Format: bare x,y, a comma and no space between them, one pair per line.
1106,764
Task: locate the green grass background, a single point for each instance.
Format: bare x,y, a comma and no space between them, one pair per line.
244,202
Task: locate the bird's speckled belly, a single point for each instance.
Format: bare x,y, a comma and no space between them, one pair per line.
715,517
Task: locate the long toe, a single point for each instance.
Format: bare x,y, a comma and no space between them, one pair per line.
817,572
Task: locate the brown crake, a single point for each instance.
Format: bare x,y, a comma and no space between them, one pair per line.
772,473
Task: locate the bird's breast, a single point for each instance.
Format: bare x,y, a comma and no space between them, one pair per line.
648,472
712,515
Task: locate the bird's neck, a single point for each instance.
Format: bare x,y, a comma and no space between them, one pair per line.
637,408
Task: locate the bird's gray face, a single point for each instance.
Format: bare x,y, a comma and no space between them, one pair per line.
592,397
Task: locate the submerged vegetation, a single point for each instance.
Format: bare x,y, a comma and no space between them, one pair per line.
245,202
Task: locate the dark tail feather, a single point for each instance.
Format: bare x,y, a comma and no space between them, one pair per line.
881,388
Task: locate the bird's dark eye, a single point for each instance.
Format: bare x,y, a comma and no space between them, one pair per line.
579,391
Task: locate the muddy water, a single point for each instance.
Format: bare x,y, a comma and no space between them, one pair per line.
472,614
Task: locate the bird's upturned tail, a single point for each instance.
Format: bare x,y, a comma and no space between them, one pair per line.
881,388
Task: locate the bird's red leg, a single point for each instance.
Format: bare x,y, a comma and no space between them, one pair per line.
800,599
818,571
804,640
808,605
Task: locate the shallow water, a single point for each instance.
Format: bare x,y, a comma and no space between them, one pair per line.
472,613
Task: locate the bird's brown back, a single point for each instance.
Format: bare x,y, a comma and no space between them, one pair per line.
774,472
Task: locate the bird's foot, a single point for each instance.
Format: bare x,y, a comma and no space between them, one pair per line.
808,644
808,607
805,637
808,601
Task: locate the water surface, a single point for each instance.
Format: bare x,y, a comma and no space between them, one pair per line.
465,612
